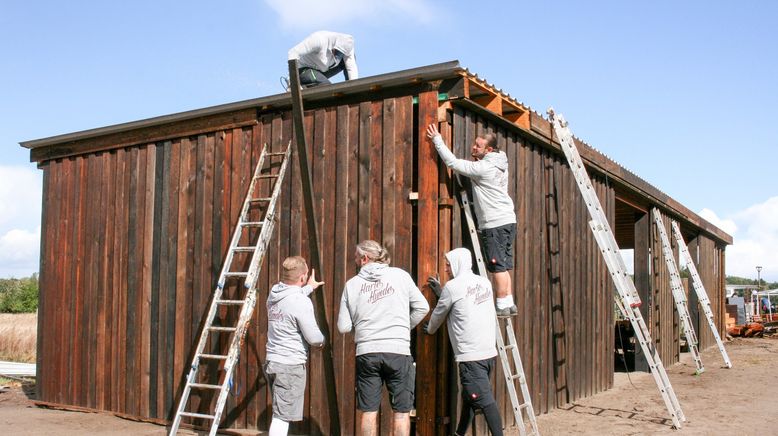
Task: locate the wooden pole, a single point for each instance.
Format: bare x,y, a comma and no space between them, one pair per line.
313,243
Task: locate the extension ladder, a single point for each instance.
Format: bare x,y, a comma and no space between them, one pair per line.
267,215
702,295
679,294
627,298
503,349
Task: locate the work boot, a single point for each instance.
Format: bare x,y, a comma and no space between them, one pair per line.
508,311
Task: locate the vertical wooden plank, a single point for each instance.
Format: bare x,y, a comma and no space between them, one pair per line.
169,335
185,192
159,375
365,136
144,305
376,154
343,345
427,239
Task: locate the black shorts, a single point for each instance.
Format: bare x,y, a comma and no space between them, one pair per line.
476,386
498,247
396,370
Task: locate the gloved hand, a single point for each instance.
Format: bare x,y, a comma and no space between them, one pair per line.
434,284
426,327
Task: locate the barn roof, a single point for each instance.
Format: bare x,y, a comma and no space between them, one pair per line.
456,86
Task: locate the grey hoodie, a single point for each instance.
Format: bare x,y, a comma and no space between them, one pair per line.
493,205
467,300
315,52
382,304
291,324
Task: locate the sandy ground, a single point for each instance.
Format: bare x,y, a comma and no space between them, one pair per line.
741,401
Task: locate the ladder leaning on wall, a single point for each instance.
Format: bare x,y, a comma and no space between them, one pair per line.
266,209
627,298
503,324
699,289
679,293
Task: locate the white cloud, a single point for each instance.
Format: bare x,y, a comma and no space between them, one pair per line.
20,215
19,251
728,226
20,197
755,233
313,14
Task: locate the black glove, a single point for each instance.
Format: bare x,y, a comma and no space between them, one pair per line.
426,327
434,284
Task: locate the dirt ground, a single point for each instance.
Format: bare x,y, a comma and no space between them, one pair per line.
741,401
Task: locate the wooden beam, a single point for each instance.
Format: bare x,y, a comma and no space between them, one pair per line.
313,243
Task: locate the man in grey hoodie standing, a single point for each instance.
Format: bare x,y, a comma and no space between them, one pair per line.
291,328
494,209
467,302
382,304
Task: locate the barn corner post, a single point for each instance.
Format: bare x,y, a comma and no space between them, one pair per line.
427,260
313,240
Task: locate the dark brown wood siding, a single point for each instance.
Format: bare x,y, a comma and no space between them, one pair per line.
135,238
136,233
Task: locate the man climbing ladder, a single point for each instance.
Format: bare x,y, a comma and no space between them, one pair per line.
493,207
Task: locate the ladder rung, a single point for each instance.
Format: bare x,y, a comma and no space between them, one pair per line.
243,249
222,329
252,223
515,376
235,274
267,176
261,199
196,415
231,302
509,347
280,153
213,356
204,386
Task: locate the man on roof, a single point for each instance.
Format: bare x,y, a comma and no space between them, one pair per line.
488,172
322,55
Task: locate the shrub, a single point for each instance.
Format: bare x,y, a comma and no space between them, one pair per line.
19,295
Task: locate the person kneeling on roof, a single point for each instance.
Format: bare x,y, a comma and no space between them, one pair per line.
322,55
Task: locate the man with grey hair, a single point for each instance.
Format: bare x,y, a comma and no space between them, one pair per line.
382,304
291,328
488,172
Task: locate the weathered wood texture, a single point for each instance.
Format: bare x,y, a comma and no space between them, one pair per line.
135,239
561,285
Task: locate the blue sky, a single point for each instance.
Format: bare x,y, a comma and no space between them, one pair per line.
681,93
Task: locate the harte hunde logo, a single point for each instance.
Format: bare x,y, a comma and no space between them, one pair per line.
377,291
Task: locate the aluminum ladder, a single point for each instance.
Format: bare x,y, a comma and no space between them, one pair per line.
266,207
679,294
699,289
503,323
627,298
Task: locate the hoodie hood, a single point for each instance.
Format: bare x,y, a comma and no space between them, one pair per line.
460,260
280,291
344,43
497,158
373,271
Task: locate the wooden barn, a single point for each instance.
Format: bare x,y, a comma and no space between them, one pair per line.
137,218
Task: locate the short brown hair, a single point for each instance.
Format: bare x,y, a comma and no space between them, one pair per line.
292,268
491,140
